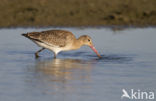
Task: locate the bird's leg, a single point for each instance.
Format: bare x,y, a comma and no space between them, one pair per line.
55,55
36,54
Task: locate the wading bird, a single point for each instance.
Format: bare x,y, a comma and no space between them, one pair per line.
59,40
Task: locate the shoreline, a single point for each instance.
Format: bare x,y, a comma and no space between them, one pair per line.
77,13
113,27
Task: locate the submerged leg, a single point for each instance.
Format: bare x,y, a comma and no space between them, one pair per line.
36,54
55,55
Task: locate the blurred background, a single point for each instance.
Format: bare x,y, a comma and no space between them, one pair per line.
77,12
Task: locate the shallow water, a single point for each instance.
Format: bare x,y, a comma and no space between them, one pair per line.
128,62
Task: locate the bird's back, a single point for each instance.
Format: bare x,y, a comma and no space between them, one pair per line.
58,38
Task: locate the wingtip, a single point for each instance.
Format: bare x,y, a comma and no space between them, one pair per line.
26,35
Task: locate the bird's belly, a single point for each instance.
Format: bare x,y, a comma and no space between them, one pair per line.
51,48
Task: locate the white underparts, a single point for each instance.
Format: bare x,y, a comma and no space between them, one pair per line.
52,48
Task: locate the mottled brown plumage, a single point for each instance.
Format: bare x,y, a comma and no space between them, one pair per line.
58,40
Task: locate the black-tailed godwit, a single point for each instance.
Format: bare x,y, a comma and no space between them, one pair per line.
59,40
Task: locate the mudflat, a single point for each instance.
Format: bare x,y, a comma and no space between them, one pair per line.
77,12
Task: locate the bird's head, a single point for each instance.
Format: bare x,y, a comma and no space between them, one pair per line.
86,40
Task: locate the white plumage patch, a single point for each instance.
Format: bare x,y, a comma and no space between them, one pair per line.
51,47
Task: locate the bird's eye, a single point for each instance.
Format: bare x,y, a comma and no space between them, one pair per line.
88,39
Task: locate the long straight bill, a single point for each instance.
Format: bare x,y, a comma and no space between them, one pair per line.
93,48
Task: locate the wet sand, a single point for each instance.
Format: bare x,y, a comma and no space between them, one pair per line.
77,12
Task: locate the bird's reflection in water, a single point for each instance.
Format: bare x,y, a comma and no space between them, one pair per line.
62,70
61,76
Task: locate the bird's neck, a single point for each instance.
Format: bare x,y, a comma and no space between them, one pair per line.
77,44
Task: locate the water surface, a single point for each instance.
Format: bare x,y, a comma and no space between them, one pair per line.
128,62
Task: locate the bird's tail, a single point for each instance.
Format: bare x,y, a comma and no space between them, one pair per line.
31,36
25,34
